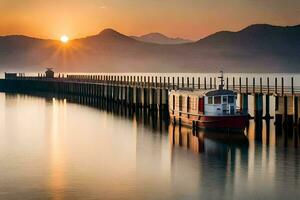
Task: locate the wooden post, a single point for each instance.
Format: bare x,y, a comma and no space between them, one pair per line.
188,82
193,83
233,83
182,82
275,85
260,83
246,85
253,86
227,83
282,86
178,85
296,101
173,83
240,83
292,85
210,83
205,83
199,83
268,86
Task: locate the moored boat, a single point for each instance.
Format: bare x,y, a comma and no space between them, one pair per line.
210,109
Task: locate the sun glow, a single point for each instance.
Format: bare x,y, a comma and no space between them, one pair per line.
64,39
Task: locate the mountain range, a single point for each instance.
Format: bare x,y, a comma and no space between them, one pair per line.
159,38
256,48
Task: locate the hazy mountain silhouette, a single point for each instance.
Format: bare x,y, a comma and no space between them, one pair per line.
159,38
257,48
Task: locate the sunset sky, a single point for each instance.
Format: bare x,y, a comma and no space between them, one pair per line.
192,19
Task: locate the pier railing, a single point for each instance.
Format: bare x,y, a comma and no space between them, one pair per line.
257,85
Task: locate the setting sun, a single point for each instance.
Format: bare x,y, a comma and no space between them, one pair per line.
64,39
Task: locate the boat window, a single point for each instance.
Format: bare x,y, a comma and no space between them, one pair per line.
224,99
210,100
217,100
230,99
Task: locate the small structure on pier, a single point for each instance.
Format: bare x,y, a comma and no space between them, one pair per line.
49,73
10,75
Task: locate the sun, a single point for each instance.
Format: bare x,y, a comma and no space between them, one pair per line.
64,39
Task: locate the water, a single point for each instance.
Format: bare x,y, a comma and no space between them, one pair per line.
53,149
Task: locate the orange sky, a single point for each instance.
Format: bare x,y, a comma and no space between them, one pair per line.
192,19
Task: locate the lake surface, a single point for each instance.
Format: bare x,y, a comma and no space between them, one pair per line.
53,149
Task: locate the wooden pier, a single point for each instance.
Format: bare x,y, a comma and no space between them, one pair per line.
151,92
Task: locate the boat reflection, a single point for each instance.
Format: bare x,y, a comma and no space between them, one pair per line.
207,142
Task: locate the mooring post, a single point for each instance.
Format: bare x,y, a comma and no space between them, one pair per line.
258,108
233,83
244,102
253,86
178,85
268,86
188,82
210,83
292,85
205,83
193,83
267,104
246,85
199,83
260,84
296,106
282,86
173,83
227,84
285,110
276,85
182,82
240,84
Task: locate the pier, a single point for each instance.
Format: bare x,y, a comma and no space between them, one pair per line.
151,92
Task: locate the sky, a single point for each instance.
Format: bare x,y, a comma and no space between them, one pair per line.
191,19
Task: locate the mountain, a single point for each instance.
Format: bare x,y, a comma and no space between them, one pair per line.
159,38
257,48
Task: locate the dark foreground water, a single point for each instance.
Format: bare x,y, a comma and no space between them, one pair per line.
53,149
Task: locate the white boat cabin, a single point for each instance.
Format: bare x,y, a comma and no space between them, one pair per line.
213,102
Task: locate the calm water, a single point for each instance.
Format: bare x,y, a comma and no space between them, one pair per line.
54,149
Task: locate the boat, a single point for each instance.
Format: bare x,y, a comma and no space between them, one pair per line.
209,109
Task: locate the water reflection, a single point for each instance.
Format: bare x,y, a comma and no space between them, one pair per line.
51,148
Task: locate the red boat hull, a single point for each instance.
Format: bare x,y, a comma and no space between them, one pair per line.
224,123
233,122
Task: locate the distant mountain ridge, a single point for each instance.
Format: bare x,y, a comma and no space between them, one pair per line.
256,48
159,38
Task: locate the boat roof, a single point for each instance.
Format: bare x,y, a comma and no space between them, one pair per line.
199,92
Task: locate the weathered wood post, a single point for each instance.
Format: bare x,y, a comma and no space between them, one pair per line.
178,85
247,85
258,106
260,84
199,83
292,85
173,83
240,84
233,83
193,83
205,83
282,86
188,82
210,83
296,108
275,85
253,86
227,83
182,82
